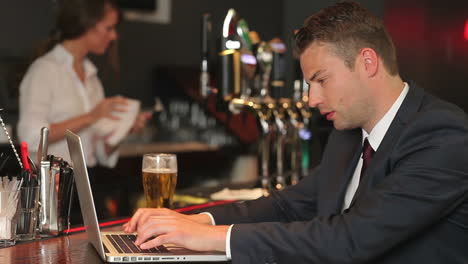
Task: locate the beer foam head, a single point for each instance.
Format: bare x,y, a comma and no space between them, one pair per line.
159,170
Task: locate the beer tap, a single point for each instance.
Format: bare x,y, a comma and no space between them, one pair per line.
230,84
263,108
229,58
278,70
248,64
297,124
301,97
300,116
206,25
275,61
252,80
267,127
248,60
265,62
279,114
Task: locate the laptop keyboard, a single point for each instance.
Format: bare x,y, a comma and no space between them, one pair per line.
125,244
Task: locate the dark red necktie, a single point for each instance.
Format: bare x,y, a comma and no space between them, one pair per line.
367,153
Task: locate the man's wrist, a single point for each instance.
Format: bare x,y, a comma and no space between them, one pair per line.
220,233
202,218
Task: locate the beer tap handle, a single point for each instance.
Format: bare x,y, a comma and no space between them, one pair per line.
279,149
265,163
205,39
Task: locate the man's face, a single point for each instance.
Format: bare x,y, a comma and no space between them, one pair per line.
337,91
103,33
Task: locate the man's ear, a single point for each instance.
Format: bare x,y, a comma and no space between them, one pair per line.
369,61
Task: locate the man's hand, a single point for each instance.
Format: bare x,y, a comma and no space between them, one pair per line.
142,215
190,231
181,232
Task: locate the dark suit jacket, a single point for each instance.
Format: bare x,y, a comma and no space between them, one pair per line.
411,205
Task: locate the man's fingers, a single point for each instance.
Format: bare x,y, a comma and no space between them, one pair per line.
156,225
159,240
145,215
146,232
153,212
132,224
142,216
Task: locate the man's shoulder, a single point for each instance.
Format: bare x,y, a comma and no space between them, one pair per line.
421,106
436,110
435,123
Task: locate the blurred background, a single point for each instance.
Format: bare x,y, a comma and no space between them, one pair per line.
159,48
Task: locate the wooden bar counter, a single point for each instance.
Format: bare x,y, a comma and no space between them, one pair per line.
138,149
71,248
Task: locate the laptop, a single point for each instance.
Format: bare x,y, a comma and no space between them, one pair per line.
119,246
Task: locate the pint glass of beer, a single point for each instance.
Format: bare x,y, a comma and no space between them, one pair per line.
159,179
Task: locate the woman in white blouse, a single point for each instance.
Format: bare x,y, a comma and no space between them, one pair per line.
61,89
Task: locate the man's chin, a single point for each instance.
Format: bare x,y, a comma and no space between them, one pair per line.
340,126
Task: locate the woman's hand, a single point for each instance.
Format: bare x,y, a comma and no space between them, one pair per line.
140,122
107,106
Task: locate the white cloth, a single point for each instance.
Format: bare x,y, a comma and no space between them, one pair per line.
52,92
375,138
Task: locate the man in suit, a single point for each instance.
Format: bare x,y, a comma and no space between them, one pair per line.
392,186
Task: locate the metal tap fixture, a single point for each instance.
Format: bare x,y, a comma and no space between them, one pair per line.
295,152
282,124
304,127
230,83
268,128
206,25
252,81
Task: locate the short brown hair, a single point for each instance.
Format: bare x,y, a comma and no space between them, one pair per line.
349,27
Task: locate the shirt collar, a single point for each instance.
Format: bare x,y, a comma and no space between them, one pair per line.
66,58
378,132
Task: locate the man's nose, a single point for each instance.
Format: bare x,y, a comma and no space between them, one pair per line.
315,98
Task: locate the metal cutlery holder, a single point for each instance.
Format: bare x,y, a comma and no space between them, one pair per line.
56,194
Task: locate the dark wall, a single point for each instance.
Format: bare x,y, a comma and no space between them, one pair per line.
427,33
432,50
22,24
144,45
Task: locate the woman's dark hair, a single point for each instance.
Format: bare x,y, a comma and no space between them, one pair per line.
349,27
74,18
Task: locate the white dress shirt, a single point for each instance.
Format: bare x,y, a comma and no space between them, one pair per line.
52,92
375,138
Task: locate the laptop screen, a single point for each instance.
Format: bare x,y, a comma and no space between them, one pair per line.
84,191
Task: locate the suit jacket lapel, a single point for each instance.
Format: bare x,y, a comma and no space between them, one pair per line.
376,171
340,159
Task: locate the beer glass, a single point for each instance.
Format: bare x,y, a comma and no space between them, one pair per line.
159,179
